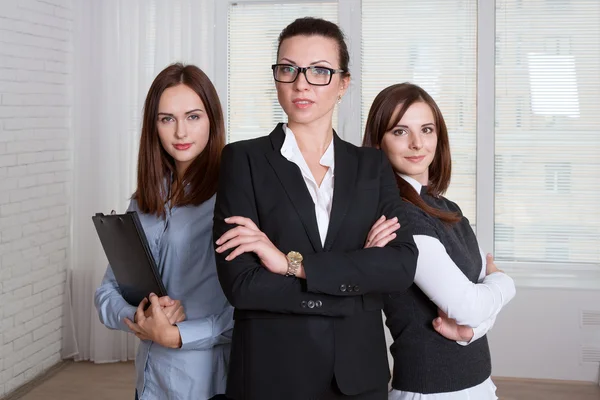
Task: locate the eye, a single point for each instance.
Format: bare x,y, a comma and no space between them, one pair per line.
165,120
287,69
194,117
320,71
428,130
399,132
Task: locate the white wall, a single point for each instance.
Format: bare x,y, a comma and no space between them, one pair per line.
539,335
35,174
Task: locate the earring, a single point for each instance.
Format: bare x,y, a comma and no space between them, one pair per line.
339,99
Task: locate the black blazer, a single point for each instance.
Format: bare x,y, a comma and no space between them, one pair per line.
293,336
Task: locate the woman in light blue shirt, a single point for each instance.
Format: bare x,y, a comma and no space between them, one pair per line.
185,337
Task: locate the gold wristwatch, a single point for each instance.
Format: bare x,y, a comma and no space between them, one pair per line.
294,260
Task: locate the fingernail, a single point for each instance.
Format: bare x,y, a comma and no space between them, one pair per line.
227,258
395,218
218,249
382,217
226,219
218,241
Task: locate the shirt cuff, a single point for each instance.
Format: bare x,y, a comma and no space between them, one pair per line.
128,311
194,331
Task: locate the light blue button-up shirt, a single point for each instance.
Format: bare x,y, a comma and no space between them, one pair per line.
182,246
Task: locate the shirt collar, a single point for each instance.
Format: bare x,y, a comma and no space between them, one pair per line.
413,182
290,149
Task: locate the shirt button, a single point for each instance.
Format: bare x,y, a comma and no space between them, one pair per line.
342,288
318,303
303,304
311,304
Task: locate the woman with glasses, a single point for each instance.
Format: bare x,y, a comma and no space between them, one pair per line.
293,214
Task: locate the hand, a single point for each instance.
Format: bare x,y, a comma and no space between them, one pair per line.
449,329
247,238
382,232
157,327
490,267
172,309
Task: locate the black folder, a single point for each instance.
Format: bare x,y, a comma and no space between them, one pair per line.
129,255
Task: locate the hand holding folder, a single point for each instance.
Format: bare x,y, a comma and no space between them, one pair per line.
129,255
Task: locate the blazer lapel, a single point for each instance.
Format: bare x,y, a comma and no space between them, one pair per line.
291,179
343,184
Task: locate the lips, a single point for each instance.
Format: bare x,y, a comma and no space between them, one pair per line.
183,146
415,159
302,103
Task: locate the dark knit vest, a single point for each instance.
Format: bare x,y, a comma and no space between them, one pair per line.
425,361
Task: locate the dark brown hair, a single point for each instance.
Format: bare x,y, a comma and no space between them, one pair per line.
382,118
309,26
157,174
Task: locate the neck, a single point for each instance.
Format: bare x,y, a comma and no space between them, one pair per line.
313,137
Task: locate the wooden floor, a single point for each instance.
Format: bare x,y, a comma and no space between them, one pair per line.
85,381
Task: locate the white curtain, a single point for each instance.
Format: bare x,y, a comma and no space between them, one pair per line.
119,47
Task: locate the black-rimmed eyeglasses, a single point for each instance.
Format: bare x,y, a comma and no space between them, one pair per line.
318,76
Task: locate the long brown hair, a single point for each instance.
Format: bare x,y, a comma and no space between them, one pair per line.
157,174
382,118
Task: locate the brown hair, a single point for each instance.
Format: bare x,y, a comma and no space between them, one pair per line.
309,26
381,119
157,174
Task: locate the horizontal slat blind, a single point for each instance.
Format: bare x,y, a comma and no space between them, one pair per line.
547,139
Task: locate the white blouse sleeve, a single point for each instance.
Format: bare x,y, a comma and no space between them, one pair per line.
445,284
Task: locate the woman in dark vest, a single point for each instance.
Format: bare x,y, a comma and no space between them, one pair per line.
453,281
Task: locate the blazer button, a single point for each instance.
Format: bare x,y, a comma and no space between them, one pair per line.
303,304
356,288
311,304
342,288
318,303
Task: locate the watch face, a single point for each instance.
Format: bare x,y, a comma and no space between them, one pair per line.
294,257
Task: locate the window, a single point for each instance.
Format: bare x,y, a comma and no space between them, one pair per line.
252,31
547,117
415,41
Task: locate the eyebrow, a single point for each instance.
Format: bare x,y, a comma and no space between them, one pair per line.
312,63
188,112
406,126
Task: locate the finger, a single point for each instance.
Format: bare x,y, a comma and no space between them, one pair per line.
244,248
235,232
166,301
438,326
442,314
379,221
243,221
489,259
384,241
381,227
154,302
140,314
386,232
237,241
135,328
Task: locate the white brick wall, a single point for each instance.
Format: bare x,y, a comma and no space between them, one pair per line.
35,178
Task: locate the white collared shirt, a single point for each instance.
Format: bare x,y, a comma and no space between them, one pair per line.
322,195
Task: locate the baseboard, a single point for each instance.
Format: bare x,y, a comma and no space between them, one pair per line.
534,380
38,380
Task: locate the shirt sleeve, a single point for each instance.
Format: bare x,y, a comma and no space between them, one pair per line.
445,284
205,333
110,304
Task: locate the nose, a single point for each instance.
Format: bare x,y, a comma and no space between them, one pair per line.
301,84
180,130
415,141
